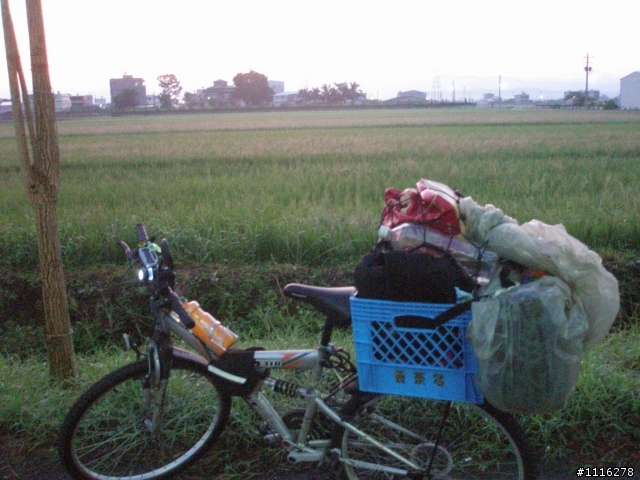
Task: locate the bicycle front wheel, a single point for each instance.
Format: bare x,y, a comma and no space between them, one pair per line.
123,427
433,438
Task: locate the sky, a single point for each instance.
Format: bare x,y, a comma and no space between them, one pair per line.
467,47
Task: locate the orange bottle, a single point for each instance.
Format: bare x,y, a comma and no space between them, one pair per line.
210,330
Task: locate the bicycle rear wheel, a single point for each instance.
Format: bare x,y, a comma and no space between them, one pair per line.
113,431
473,442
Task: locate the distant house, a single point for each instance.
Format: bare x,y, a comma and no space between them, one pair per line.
220,95
413,95
410,96
63,102
128,82
521,98
630,91
79,102
488,100
152,100
286,98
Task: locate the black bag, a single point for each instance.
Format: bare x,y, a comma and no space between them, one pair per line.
413,276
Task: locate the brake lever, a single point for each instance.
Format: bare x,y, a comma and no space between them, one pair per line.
131,254
165,253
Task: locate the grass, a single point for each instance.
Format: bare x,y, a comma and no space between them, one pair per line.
307,187
600,422
326,119
602,418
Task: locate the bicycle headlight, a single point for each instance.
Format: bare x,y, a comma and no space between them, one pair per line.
145,274
150,261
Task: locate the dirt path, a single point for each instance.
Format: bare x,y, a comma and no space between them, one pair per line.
42,464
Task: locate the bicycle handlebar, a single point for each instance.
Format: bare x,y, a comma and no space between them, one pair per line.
134,256
127,251
141,232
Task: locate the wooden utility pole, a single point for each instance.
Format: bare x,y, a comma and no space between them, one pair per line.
40,164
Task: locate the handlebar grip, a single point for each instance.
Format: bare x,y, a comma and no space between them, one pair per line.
183,315
165,251
141,232
125,247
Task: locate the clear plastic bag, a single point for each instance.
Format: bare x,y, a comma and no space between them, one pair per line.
540,246
529,343
581,268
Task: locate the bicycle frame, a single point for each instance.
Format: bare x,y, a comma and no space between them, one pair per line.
300,449
309,359
331,428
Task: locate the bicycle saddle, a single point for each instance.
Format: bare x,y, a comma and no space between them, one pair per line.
332,301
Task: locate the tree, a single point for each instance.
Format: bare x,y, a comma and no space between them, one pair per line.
330,94
40,165
190,100
342,91
354,92
170,89
305,95
252,88
127,98
608,105
337,93
316,95
325,93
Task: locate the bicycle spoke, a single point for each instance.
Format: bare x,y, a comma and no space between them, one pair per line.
108,436
470,444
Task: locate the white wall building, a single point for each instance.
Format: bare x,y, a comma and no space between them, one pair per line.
630,91
521,98
78,102
153,100
63,102
285,98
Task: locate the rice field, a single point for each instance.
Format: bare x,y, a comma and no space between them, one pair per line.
307,187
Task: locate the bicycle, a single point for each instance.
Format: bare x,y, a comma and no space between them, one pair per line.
156,416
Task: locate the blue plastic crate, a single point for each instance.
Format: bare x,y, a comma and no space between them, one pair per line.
411,360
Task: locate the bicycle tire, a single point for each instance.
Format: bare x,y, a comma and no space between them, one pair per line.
104,435
476,442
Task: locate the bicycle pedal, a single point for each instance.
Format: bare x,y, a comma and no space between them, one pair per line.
273,439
